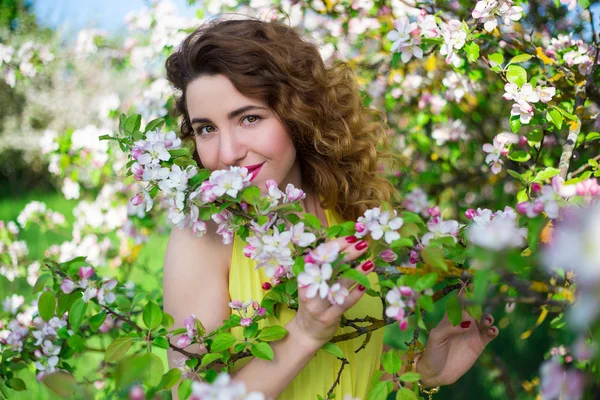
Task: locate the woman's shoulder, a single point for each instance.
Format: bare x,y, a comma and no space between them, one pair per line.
209,246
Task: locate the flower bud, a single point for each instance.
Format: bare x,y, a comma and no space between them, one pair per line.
266,286
255,305
86,272
183,341
388,256
536,187
136,393
522,207
360,227
261,311
434,211
246,322
406,291
137,199
470,213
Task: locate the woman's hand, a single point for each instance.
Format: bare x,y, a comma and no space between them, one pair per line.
452,350
317,318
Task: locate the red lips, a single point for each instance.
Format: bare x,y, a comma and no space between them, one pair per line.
251,168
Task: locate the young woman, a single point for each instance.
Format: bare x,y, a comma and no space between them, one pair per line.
255,94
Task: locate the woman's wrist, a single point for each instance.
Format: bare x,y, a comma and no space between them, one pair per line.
299,336
427,379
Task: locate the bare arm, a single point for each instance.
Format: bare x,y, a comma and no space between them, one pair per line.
196,282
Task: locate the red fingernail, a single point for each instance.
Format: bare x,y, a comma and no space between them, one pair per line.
361,245
351,239
367,266
361,288
465,324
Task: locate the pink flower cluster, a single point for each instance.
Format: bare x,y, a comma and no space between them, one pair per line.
242,310
499,149
545,202
400,299
525,95
192,331
318,271
104,293
379,224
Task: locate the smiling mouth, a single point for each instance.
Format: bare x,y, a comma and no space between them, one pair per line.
254,171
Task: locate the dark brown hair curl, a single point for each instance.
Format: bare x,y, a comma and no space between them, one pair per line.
337,139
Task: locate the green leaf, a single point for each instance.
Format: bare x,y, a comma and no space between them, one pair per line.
47,305
592,136
407,230
334,349
454,309
272,333
357,276
391,362
312,221
522,195
584,3
472,50
77,313
222,341
97,320
426,303
405,394
519,156
16,384
516,74
546,174
380,391
554,116
170,378
497,59
515,123
410,377
133,123
251,331
434,256
426,281
209,358
520,58
154,124
61,383
131,369
41,282
152,315
118,348
201,176
168,321
402,242
251,195
160,342
76,342
154,369
185,389
262,350
298,266
518,176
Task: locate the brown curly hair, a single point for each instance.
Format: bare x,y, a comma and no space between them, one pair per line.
339,142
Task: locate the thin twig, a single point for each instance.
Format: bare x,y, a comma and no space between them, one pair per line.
339,375
583,167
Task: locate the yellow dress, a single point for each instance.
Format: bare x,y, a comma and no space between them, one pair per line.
319,374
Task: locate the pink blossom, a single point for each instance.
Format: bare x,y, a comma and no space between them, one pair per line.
261,311
293,193
136,393
246,322
337,294
249,251
183,341
388,256
359,227
434,211
470,213
67,286
589,187
86,272
137,199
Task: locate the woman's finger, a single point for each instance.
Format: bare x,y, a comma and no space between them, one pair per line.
489,334
353,297
486,321
352,247
366,267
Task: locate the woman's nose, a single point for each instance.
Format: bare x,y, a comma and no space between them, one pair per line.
232,148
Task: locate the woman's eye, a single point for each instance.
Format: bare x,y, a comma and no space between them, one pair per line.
252,120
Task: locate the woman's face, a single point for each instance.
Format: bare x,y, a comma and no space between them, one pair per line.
233,130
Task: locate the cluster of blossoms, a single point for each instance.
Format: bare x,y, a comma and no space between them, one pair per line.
558,382
401,299
449,131
573,52
454,34
498,149
416,201
574,247
379,224
495,231
588,189
488,11
525,95
242,309
37,212
12,251
223,388
23,60
103,292
191,325
440,228
46,335
318,271
544,202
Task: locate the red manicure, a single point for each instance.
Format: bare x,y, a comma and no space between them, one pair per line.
361,288
351,239
465,324
361,245
367,266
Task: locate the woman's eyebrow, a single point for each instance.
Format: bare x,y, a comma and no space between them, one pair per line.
231,115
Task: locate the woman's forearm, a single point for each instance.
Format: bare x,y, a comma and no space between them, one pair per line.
291,354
